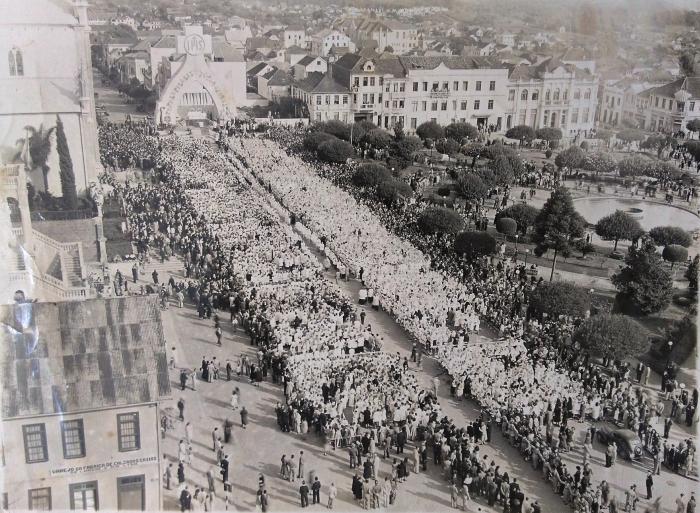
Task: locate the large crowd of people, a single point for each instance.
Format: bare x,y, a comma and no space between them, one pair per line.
242,254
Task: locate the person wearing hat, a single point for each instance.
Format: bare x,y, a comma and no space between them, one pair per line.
650,485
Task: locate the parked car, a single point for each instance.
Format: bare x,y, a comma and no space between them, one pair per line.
629,446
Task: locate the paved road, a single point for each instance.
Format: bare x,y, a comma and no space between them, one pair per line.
114,103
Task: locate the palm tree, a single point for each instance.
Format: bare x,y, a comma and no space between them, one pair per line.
40,148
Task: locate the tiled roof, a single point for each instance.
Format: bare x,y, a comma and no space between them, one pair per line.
166,42
306,60
450,61
257,68
690,84
76,356
321,83
226,52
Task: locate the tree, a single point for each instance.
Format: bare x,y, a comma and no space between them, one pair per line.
65,164
461,131
506,226
474,244
370,175
572,157
440,220
392,190
557,225
634,165
430,130
584,247
471,187
618,226
360,129
691,274
674,253
599,162
693,125
686,61
473,150
447,146
644,282
334,127
667,235
693,148
405,148
603,134
521,132
40,148
378,138
629,135
524,215
612,336
313,140
662,170
548,134
335,150
389,49
559,298
398,131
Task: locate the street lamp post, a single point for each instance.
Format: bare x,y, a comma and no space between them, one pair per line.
516,245
670,348
527,252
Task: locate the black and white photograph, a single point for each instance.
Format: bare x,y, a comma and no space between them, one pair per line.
268,255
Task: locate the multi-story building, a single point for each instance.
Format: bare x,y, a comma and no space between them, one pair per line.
325,97
80,416
552,94
387,34
672,106
623,104
446,90
294,36
323,41
309,64
411,90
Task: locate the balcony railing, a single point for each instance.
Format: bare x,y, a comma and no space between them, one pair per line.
439,94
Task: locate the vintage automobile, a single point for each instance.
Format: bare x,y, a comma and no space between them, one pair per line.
629,446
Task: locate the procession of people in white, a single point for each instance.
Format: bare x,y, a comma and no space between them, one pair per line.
216,209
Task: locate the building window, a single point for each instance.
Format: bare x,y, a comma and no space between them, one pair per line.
587,94
356,82
83,496
463,105
129,431
434,106
445,86
556,95
586,112
523,94
16,63
131,493
455,85
336,99
364,81
663,103
425,86
535,95
511,95
443,106
476,103
35,449
40,499
465,85
566,94
73,438
478,85
424,106
345,99
436,86
328,99
415,86
492,85
547,95
371,81
402,87
490,105
574,116
414,123
318,99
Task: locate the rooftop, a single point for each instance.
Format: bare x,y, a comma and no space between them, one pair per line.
76,356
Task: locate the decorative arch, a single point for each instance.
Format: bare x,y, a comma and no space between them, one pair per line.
167,108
